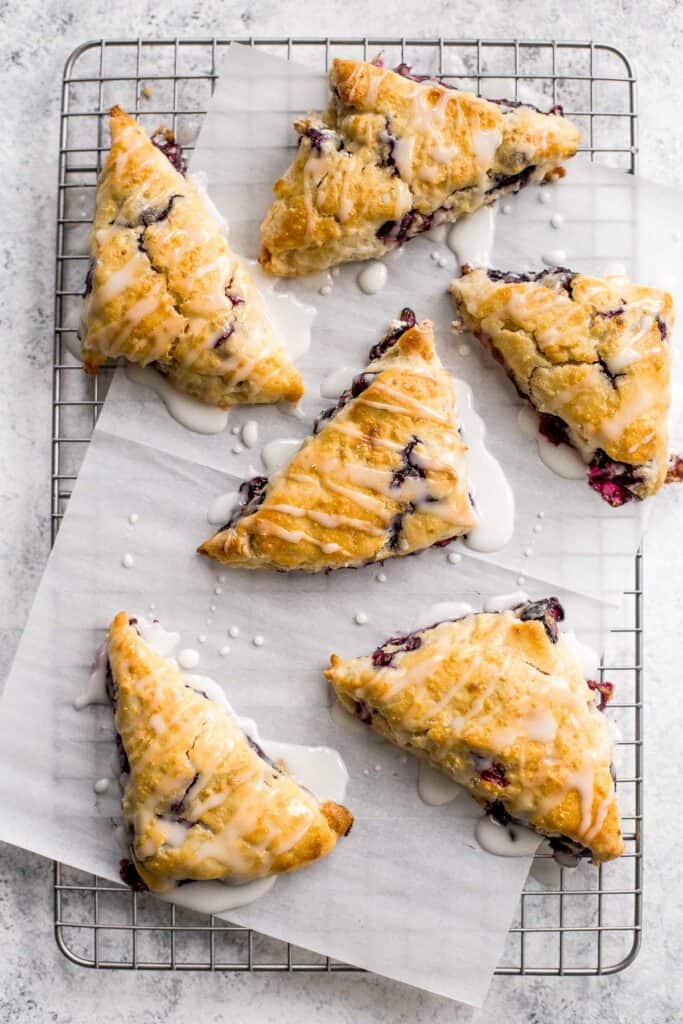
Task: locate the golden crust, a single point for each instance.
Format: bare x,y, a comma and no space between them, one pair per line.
164,287
389,156
594,351
199,801
492,702
384,476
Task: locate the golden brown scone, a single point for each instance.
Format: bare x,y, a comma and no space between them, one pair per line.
593,356
200,801
498,702
383,475
393,156
164,288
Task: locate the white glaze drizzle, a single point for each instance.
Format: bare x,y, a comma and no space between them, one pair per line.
435,788
189,412
471,237
493,497
276,454
221,507
505,840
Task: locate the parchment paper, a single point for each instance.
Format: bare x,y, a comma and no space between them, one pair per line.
408,894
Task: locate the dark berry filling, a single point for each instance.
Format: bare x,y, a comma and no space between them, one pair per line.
396,526
129,875
610,314
510,182
411,223
674,473
358,386
565,850
555,277
553,429
88,280
604,688
363,712
612,480
549,611
152,216
319,136
166,142
406,321
409,467
494,774
382,656
663,329
252,492
178,806
261,752
236,300
225,336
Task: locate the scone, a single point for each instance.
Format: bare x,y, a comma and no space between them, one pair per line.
383,475
397,154
593,356
165,289
498,702
201,800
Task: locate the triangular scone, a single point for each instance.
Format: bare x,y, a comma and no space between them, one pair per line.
384,474
498,702
394,155
164,288
593,356
201,801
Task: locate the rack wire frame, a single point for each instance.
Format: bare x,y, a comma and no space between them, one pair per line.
582,922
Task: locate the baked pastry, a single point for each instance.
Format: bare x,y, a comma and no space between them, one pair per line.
382,475
498,703
396,154
165,289
593,356
201,800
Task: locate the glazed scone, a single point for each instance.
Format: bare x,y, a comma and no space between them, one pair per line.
383,475
498,702
201,800
394,155
165,289
593,356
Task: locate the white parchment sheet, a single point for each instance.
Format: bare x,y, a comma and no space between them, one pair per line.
408,894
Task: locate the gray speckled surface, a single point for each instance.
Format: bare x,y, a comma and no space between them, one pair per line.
36,983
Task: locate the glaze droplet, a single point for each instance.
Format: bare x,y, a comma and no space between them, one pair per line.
360,618
127,561
188,658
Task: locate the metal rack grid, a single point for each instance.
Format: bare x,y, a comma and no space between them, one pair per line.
584,922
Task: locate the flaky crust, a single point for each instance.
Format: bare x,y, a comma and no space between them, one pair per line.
384,476
165,288
391,157
199,801
492,702
593,351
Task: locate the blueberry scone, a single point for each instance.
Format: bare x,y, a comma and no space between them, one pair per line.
593,357
164,288
383,474
201,800
394,155
498,703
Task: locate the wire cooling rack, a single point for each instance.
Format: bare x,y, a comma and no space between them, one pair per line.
585,921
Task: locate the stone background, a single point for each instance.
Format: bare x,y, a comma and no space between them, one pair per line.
36,982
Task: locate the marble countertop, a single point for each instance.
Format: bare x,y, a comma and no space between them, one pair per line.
36,982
